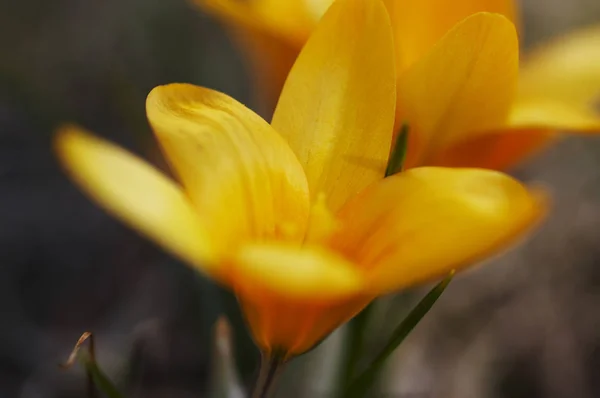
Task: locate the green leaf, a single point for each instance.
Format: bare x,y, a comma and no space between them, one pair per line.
225,381
365,380
101,381
96,378
398,155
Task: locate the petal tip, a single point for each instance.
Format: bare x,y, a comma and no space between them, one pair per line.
67,141
159,93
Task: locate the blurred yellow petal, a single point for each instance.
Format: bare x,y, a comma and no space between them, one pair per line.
566,69
496,150
322,222
465,85
238,13
337,106
294,16
290,19
137,193
271,47
242,177
301,272
553,114
294,296
421,224
418,25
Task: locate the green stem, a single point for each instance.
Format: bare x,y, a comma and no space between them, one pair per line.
355,342
270,368
361,384
89,372
398,154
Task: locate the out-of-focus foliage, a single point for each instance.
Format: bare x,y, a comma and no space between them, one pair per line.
66,266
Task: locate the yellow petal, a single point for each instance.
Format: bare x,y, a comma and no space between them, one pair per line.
337,106
565,69
553,114
418,25
496,150
316,8
294,296
423,223
137,193
532,126
242,177
465,85
293,327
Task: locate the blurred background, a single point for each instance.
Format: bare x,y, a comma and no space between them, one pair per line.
526,325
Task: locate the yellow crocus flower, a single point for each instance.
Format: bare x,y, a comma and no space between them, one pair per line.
510,114
295,216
